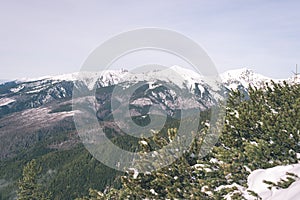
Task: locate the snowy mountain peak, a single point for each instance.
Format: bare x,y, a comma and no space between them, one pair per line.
238,74
244,77
182,77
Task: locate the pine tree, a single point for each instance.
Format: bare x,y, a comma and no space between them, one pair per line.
260,132
29,188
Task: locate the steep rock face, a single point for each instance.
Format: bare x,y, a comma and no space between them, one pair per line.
152,94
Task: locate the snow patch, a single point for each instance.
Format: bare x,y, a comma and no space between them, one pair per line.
256,178
142,101
153,192
17,89
135,172
144,142
6,101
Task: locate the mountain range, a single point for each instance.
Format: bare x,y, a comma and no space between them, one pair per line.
36,115
41,104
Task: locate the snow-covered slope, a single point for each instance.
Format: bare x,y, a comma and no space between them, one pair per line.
275,174
256,183
180,76
6,101
244,77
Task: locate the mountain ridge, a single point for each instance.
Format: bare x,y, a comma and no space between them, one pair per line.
234,73
32,93
231,78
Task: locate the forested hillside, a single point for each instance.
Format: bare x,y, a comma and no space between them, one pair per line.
261,131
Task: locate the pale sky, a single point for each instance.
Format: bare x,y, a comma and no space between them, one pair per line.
39,38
